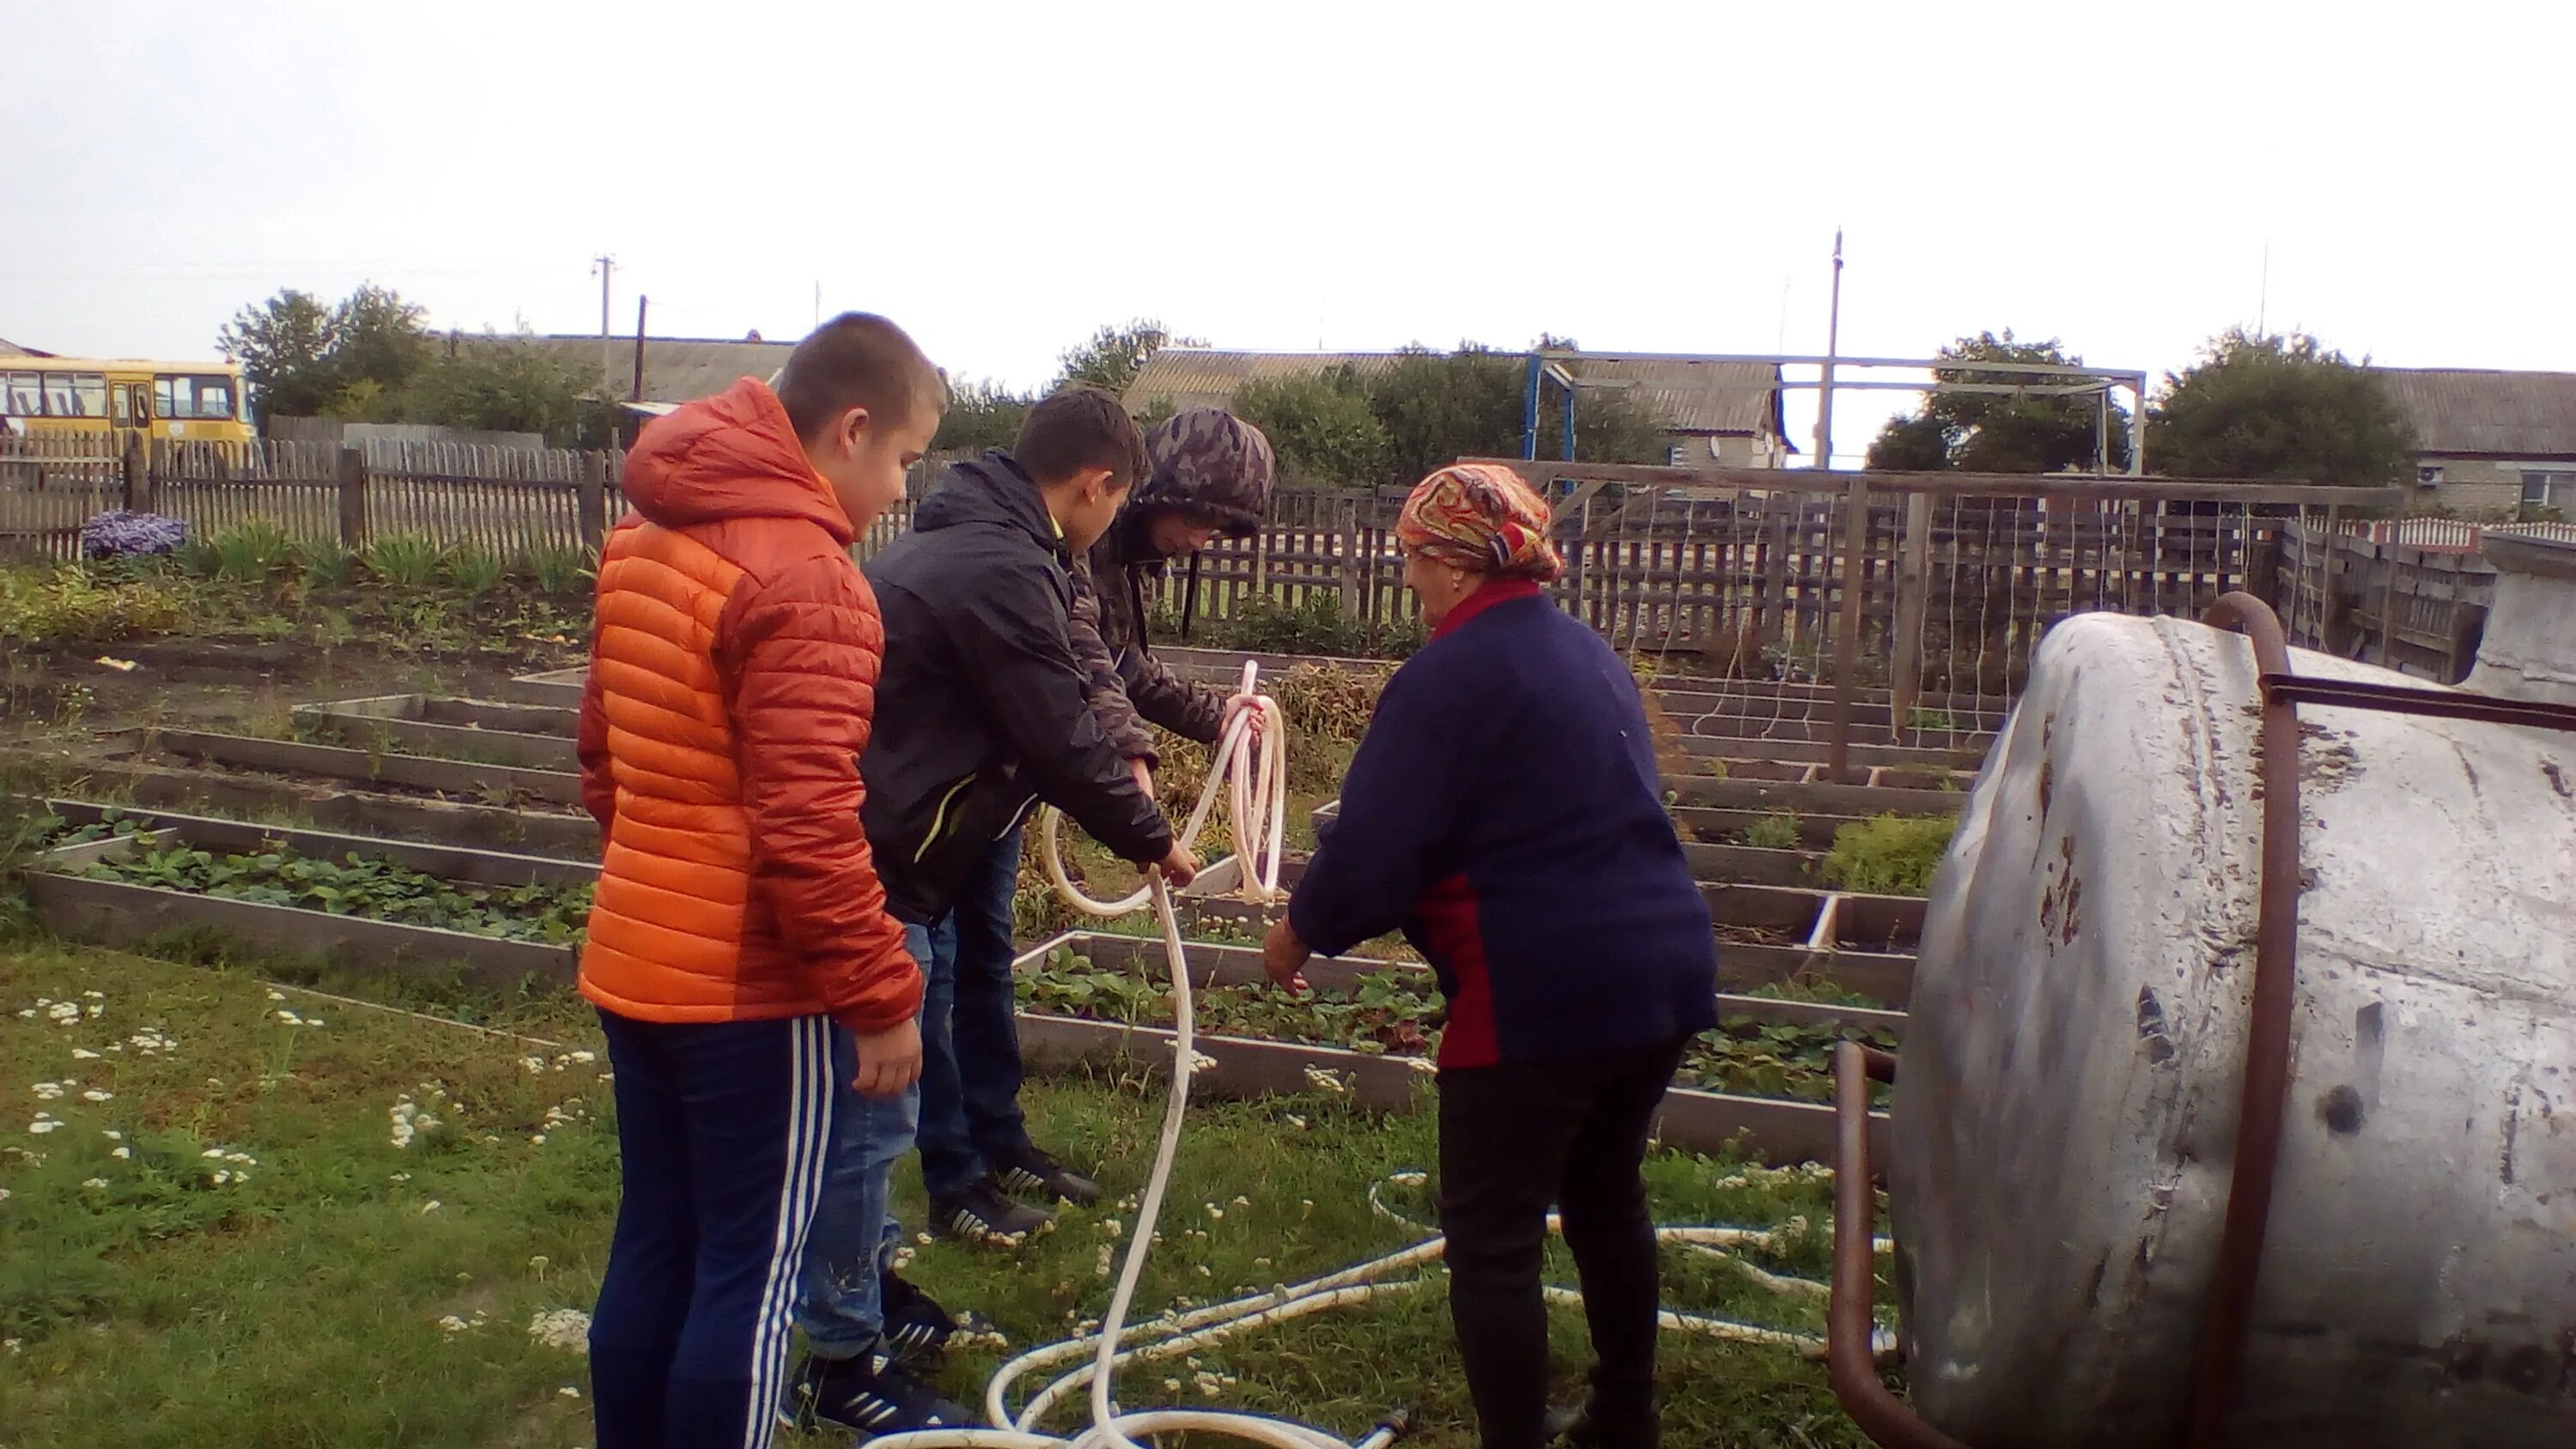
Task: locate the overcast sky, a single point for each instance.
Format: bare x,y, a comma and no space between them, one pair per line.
1001,178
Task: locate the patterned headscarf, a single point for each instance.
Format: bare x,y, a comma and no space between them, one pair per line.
1480,517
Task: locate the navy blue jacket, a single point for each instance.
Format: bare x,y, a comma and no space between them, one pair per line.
1505,811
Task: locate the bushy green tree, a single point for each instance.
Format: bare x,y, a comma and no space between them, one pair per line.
980,415
2037,431
1114,354
2281,406
1322,427
1437,407
511,384
284,347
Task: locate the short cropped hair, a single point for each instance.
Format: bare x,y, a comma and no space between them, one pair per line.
1080,428
858,360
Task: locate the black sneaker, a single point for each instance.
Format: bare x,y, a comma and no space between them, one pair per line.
916,1327
868,1395
1032,1172
981,1214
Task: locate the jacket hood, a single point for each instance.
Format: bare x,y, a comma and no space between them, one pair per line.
734,455
993,489
1209,462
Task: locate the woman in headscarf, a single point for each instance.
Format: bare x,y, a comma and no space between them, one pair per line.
1505,812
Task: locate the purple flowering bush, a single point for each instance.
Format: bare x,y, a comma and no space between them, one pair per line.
122,534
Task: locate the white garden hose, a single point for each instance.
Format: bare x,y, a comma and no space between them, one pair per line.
1257,772
1254,769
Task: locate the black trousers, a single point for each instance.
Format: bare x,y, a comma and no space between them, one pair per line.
1515,1138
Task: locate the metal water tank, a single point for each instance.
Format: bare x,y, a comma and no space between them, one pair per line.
2067,1101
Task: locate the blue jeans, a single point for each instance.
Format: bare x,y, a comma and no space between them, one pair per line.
970,1038
839,1303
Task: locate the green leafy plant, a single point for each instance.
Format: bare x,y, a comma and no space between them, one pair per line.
327,563
405,560
475,571
1775,832
1930,719
253,551
78,605
369,887
561,570
1890,855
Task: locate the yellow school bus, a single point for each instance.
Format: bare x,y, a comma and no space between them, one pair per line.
189,401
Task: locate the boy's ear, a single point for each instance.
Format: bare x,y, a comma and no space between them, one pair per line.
850,428
1095,483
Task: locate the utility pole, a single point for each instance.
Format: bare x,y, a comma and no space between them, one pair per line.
607,355
1833,340
1855,560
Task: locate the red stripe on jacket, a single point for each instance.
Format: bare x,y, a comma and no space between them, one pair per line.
1448,915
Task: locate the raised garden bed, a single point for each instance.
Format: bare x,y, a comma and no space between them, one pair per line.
1742,747
1820,798
1368,1024
367,904
559,687
489,782
569,835
458,729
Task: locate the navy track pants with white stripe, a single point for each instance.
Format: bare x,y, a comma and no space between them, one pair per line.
721,1130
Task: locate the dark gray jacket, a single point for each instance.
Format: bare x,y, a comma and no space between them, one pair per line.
1128,687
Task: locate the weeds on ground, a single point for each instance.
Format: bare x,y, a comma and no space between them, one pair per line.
263,1219
1890,855
1775,832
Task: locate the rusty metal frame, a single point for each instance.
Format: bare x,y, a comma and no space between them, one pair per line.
2264,1097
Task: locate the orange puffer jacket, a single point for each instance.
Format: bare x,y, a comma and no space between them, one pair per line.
732,680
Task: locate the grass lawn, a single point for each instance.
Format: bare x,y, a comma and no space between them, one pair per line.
313,1283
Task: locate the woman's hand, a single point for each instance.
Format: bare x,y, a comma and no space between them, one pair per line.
1284,956
1244,704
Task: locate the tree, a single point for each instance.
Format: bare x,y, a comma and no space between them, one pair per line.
2035,431
511,385
2279,406
980,415
377,337
1114,355
1321,426
284,346
1438,407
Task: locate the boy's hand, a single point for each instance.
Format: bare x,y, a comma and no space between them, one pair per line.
1284,956
889,1060
1178,865
1144,777
1243,704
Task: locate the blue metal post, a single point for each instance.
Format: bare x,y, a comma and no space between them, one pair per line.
1569,423
1529,409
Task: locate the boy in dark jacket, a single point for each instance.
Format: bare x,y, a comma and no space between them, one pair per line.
981,714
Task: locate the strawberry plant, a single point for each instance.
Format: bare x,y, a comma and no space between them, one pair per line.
371,888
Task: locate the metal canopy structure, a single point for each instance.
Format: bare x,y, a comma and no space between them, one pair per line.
2047,379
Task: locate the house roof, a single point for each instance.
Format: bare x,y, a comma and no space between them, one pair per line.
1741,398
676,369
2466,410
12,349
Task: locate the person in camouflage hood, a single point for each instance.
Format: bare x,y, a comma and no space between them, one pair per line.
1211,475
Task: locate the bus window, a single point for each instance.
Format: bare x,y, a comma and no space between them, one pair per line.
190,398
75,395
26,397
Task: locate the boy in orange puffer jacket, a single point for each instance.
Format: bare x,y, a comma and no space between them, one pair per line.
739,917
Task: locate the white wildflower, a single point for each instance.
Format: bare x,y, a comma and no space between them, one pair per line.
95,995
216,1153
47,1091
1243,1202
1111,1227
564,1328
63,1013
43,1124
4,1194
539,1262
94,1182
288,1018
582,1058
95,1095
1214,1212
111,1134
1171,1386
96,1010
1296,1121
277,996
1305,1206
8,1345
1205,1272
429,1207
27,1013
534,1065
1201,1062
312,1021
399,1177
84,1054
243,1158
1261,1262
537,1139
222,1177
569,1392
121,1153
1328,1082
454,1324
1100,1269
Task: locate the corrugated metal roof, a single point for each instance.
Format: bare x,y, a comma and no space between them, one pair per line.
676,369
1741,398
2476,410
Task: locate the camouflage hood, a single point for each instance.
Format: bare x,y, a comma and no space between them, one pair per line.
1209,462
